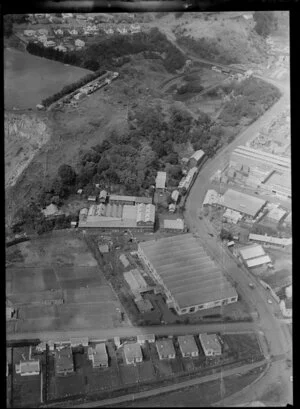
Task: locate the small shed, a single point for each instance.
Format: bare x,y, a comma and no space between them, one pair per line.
141,339
28,368
172,207
92,199
124,260
103,248
75,342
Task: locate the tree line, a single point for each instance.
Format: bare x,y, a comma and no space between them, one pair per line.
68,89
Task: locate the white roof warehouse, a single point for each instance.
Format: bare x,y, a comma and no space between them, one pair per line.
242,202
191,280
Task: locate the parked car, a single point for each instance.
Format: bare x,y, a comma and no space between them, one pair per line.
251,285
270,301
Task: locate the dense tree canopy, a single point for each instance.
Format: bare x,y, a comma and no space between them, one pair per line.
265,22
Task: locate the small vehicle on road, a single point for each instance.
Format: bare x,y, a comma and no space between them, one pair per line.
291,378
270,301
211,235
251,285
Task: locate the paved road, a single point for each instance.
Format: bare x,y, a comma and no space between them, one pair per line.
276,332
170,388
102,334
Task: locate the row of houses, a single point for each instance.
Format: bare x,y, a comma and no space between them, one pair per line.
210,344
97,354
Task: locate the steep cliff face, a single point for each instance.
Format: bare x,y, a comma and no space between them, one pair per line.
25,134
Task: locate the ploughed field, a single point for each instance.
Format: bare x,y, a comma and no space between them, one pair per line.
29,79
53,269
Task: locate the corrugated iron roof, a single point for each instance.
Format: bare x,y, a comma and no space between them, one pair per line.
186,270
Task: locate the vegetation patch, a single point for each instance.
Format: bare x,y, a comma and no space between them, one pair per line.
115,51
206,48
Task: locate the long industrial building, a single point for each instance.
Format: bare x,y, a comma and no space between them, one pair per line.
253,157
243,203
191,280
117,217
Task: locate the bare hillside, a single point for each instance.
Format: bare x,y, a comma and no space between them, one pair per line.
232,32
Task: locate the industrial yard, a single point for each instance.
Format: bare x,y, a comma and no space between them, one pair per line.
77,375
148,209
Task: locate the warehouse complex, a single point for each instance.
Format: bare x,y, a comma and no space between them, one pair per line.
118,216
254,255
191,280
258,169
253,157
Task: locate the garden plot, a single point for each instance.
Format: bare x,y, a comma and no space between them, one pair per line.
56,269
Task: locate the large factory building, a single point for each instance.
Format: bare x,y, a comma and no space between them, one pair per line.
191,280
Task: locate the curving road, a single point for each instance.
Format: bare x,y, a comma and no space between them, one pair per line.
276,332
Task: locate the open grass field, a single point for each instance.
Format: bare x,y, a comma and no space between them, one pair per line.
29,79
202,395
60,268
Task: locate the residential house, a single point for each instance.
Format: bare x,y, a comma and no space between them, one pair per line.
108,31
98,356
67,15
29,33
133,353
165,349
103,196
122,30
188,346
103,248
60,48
52,211
49,44
79,43
58,32
135,28
43,31
210,344
73,32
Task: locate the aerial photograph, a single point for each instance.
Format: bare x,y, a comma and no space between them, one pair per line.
148,218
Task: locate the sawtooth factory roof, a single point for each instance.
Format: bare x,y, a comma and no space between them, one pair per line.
187,271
